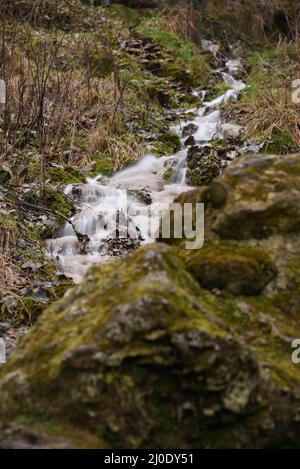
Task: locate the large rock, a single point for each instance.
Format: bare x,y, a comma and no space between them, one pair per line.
139,355
252,224
238,269
264,198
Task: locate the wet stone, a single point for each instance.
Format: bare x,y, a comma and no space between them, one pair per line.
189,129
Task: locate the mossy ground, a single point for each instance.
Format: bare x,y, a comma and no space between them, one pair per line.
190,67
168,143
239,269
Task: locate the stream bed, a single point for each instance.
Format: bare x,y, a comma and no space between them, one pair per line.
141,187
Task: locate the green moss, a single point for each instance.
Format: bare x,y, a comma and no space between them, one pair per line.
57,202
203,165
101,64
25,310
183,61
102,166
152,28
168,143
54,434
189,101
131,17
129,344
218,89
56,174
231,266
5,176
190,74
66,175
168,174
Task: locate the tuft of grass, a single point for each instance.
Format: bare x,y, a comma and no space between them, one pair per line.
255,23
120,148
10,276
183,19
272,116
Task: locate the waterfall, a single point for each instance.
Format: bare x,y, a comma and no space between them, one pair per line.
139,187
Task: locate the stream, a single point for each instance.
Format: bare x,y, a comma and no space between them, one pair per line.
141,187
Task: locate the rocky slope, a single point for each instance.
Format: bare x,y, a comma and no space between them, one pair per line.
109,95
168,347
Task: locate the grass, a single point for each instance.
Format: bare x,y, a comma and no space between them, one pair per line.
9,274
120,149
183,19
96,96
272,116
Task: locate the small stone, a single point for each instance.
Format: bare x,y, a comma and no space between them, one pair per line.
189,129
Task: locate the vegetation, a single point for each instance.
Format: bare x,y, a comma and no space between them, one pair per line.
166,347
78,104
272,113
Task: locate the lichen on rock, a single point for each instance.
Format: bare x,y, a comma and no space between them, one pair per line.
203,165
238,269
137,348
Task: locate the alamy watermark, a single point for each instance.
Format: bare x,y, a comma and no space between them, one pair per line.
2,92
124,219
296,91
296,353
2,352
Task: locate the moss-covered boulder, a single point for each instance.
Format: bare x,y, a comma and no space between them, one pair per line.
238,269
18,436
255,198
263,200
51,199
139,355
251,244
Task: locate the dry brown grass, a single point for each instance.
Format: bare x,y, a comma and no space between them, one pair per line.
275,113
183,19
120,148
293,24
61,97
9,274
66,13
252,21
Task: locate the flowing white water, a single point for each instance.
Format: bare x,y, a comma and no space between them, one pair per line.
141,187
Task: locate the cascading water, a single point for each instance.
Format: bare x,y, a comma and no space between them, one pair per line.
141,187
